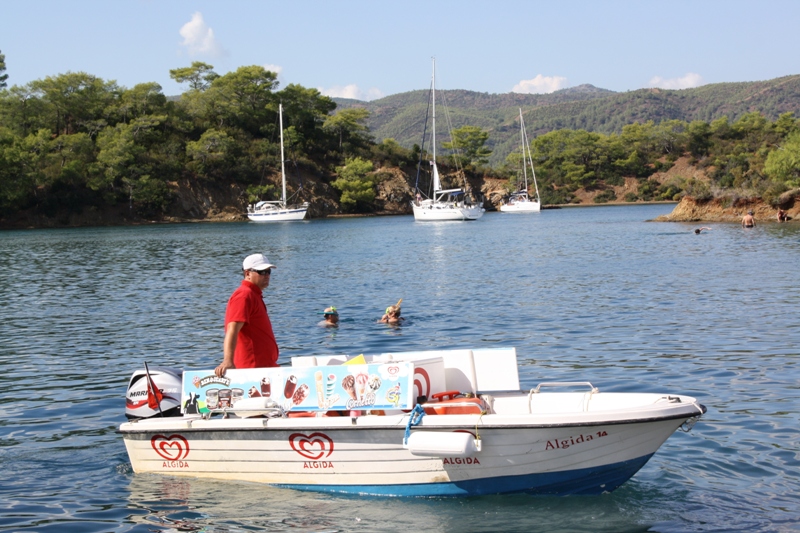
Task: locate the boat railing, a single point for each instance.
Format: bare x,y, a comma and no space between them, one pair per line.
564,384
587,396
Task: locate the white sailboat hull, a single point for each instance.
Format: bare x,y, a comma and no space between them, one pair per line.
277,214
560,452
438,212
529,206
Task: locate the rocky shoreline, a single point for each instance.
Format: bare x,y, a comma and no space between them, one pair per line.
732,209
196,201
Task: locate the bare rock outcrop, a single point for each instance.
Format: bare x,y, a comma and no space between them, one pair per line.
731,209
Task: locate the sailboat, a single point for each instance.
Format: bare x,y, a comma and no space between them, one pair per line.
445,204
277,210
520,202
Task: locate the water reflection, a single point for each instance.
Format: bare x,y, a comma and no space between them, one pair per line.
194,505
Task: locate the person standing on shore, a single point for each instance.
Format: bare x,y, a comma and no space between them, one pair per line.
748,221
249,340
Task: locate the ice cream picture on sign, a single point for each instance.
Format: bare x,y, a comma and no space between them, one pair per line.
314,388
357,387
349,385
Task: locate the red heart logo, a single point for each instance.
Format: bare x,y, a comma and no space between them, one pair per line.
312,446
172,448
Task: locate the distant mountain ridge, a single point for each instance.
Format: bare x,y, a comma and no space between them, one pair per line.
401,116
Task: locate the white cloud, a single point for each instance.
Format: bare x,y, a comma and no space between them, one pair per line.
686,82
540,85
199,39
277,69
352,91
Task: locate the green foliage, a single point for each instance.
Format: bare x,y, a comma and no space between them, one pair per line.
259,192
151,195
773,193
305,110
669,192
74,140
210,152
468,145
74,101
698,190
199,76
356,186
108,144
3,77
551,196
783,165
389,152
139,102
16,187
606,196
349,125
647,190
631,197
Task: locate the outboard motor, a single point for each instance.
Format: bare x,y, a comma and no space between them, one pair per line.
167,380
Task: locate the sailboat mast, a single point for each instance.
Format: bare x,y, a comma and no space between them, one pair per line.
434,110
522,140
530,155
283,171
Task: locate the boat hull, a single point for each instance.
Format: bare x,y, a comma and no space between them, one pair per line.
366,455
278,215
436,212
521,207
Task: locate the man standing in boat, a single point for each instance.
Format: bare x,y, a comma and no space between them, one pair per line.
249,340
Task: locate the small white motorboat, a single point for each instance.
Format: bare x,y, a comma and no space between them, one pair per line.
434,423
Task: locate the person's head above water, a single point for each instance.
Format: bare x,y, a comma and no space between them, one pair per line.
331,316
394,310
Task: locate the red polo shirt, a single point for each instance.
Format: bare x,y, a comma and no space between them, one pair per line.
255,346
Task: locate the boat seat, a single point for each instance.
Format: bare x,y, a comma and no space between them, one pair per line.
455,403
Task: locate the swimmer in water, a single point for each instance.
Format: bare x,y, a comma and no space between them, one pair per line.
699,230
392,315
748,221
331,318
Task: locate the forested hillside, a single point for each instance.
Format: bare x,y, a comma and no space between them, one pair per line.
401,116
77,149
75,141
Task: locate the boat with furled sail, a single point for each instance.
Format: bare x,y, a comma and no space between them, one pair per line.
519,201
277,210
444,204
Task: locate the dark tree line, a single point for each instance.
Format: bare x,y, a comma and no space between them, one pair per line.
74,139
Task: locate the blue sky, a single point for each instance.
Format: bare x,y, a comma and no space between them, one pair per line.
368,49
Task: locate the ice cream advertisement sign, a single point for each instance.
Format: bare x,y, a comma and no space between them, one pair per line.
313,388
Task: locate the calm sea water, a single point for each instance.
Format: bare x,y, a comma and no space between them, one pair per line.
594,294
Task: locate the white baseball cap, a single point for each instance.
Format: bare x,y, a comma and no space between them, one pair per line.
256,262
